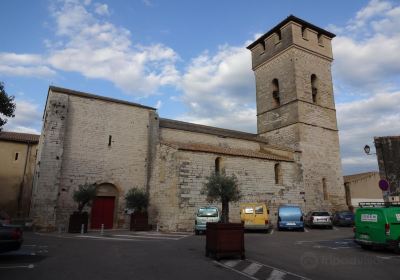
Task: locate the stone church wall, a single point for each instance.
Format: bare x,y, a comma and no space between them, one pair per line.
76,146
179,176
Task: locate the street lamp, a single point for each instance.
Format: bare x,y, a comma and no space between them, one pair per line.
367,150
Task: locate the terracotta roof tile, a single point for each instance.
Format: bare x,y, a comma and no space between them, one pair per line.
167,123
196,147
19,137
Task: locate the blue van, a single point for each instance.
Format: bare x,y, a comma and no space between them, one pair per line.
290,217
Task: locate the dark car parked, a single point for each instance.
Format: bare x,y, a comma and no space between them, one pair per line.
343,218
318,219
11,238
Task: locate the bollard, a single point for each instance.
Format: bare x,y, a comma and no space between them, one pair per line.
82,229
102,229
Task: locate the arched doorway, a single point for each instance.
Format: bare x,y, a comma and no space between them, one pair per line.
104,205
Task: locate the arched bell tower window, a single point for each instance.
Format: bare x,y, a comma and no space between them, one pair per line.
314,87
275,92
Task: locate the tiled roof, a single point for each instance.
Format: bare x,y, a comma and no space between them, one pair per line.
196,147
167,123
19,137
93,96
360,176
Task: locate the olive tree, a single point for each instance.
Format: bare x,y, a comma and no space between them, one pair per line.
84,195
222,188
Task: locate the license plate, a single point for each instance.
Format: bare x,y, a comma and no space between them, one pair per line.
290,224
364,236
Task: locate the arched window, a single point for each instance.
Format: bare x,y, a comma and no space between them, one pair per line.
218,165
314,87
324,189
275,92
278,174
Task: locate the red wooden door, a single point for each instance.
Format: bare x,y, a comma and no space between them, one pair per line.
102,212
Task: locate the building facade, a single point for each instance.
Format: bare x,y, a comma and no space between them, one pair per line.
293,158
18,157
362,187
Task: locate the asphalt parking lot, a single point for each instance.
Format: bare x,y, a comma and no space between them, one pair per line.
314,254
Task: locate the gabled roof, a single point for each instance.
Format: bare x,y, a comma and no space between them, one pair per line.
19,137
359,176
173,124
284,22
206,148
93,96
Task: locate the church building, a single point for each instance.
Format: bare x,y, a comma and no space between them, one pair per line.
293,158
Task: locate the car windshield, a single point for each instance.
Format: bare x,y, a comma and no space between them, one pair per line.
289,211
320,214
346,214
207,212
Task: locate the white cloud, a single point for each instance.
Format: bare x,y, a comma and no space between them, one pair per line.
158,104
27,118
101,9
367,50
360,121
219,89
13,64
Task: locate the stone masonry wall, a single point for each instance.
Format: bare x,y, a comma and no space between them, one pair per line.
179,177
46,184
81,153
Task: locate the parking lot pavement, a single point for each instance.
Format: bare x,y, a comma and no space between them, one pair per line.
28,257
321,254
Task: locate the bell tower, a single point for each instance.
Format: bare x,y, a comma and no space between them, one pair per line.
295,105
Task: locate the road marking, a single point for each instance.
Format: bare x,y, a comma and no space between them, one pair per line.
232,263
281,270
18,266
306,230
335,228
272,232
276,275
387,257
235,270
148,237
252,268
105,238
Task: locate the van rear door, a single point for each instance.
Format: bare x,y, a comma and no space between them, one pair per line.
393,217
370,225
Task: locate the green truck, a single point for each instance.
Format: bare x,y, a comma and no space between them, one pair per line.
377,224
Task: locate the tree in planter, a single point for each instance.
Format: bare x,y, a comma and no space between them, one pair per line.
222,188
138,200
84,195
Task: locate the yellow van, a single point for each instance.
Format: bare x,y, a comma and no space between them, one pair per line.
255,216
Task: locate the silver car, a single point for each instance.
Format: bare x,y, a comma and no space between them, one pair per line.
318,219
204,215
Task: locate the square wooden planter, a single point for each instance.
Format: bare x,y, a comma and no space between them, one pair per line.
225,240
139,222
76,220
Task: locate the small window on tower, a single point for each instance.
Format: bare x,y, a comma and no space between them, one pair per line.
314,87
304,33
324,189
278,174
278,37
109,140
218,165
320,40
16,156
275,92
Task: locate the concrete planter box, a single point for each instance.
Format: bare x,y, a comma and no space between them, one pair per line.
140,221
76,220
225,240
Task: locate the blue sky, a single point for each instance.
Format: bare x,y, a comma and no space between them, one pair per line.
188,59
